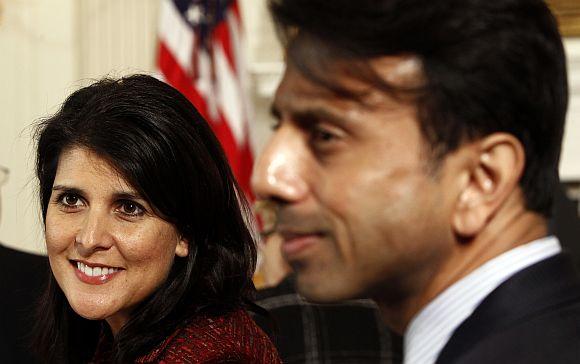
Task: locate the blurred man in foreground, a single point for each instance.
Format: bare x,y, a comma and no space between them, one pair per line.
413,162
22,277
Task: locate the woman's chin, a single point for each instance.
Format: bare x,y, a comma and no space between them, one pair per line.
92,309
90,314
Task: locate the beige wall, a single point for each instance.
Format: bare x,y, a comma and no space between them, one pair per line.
570,162
37,69
48,48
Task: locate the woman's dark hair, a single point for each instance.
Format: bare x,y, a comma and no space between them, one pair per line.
489,66
161,145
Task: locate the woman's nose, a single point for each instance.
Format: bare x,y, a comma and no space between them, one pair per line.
94,233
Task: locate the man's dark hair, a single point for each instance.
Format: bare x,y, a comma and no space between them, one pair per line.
488,66
164,148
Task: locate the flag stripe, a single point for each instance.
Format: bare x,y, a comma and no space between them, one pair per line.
228,95
176,34
212,76
222,37
174,75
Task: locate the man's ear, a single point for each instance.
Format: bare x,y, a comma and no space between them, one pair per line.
182,248
498,164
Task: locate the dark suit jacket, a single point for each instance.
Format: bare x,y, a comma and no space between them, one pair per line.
22,278
565,224
533,317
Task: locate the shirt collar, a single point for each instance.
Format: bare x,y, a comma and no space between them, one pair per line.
431,328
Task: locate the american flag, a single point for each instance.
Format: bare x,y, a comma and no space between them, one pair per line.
200,54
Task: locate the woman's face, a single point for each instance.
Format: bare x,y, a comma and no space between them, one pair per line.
107,248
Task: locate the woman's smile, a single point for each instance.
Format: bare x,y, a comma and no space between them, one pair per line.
94,273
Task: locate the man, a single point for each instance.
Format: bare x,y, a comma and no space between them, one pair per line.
22,277
413,162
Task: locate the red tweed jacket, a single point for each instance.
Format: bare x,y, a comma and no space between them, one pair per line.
231,338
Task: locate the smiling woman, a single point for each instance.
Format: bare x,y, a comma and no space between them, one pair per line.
145,229
107,250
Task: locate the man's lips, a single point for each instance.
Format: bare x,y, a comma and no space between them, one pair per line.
294,243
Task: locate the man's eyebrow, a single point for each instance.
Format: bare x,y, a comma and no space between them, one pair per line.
318,113
308,115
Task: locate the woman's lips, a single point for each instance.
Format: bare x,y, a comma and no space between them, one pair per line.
94,274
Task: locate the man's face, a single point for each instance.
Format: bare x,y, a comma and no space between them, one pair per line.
359,210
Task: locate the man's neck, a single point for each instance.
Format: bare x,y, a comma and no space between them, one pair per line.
505,231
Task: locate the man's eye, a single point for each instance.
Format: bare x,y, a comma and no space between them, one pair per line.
319,134
323,135
326,141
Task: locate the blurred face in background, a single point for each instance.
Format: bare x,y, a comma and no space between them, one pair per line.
358,209
108,250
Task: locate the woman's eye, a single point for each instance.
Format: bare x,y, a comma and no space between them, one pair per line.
70,200
131,208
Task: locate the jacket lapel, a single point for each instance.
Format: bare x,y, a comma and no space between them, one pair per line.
544,285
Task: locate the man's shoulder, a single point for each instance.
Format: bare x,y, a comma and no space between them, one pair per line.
13,261
532,317
289,309
23,274
548,337
346,332
22,278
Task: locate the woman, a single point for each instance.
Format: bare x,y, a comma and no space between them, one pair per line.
150,254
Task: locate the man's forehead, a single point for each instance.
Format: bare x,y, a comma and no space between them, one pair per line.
401,71
298,91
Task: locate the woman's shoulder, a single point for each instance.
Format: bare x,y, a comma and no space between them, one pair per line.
232,337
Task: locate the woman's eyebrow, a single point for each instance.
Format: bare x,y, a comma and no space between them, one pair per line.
119,195
69,189
127,195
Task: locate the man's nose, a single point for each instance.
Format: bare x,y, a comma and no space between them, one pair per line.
94,233
279,172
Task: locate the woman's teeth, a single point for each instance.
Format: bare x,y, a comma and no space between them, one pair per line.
95,271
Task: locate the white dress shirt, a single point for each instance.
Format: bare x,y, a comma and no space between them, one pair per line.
432,327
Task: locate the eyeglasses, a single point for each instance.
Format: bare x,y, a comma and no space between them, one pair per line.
4,172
